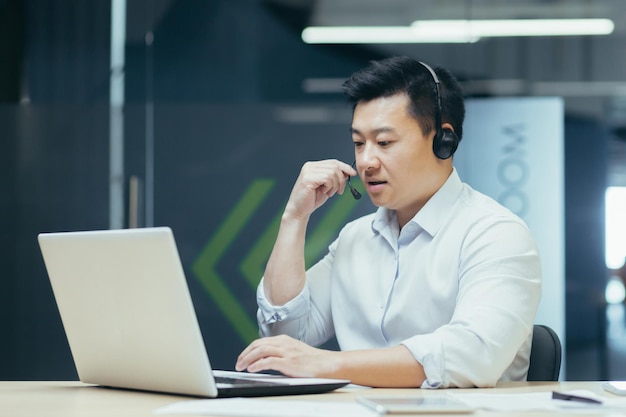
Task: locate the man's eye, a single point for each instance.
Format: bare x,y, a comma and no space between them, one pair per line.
383,143
358,144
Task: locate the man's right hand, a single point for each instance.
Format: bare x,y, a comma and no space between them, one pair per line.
317,182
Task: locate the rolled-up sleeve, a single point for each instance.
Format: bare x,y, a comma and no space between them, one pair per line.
307,316
281,319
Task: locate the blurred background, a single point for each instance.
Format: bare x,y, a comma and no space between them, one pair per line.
197,114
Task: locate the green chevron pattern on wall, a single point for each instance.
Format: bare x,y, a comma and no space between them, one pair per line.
253,263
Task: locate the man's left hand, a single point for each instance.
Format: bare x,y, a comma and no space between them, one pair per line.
287,356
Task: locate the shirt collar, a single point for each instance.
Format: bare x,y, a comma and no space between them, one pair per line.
432,215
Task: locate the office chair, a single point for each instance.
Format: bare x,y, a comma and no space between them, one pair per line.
545,355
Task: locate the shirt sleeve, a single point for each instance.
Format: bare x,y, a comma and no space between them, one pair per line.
499,292
281,319
306,317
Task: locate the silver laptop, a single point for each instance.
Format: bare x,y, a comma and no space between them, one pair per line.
130,322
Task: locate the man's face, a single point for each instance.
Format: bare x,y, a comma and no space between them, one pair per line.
393,157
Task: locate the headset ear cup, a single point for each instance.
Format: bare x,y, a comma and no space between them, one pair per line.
445,143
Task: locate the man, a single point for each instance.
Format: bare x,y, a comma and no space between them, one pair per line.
438,288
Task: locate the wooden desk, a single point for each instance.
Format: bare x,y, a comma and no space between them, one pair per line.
69,399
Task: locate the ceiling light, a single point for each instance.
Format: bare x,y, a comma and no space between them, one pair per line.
454,31
378,35
516,27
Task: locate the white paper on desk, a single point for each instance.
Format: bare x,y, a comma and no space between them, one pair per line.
237,407
536,401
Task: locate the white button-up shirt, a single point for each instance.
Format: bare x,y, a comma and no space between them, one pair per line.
459,286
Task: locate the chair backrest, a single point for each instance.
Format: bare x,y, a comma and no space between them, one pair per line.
545,355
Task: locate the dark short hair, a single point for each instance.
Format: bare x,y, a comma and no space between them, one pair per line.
395,75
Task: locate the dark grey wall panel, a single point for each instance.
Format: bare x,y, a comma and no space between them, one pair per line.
585,269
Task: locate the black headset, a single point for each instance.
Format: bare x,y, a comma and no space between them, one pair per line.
445,141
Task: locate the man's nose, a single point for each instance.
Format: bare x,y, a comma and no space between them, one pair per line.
368,158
